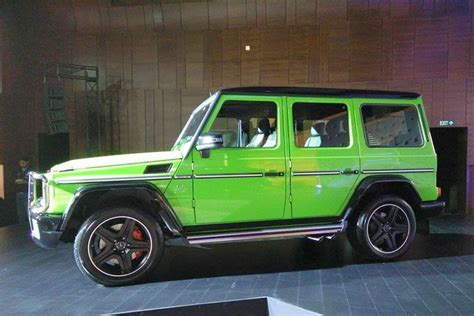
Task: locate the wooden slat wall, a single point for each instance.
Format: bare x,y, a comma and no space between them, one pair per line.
167,56
165,74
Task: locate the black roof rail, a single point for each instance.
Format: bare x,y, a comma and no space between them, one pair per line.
324,92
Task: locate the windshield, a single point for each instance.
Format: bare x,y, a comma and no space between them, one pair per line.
194,123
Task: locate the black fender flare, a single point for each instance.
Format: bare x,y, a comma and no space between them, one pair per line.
164,209
368,182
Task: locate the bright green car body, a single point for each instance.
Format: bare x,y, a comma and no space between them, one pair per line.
205,191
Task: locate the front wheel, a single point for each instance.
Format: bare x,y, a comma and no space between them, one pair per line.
118,246
385,228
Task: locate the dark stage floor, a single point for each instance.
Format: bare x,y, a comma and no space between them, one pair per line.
435,277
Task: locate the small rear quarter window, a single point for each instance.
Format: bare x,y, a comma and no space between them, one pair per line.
392,126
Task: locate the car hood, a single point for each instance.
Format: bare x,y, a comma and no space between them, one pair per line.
116,160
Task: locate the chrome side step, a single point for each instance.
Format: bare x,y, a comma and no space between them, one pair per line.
312,231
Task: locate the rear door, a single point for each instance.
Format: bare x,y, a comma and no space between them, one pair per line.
324,155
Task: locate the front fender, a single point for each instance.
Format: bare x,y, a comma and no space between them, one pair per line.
156,199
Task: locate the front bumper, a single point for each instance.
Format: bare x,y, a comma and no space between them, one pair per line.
44,229
433,208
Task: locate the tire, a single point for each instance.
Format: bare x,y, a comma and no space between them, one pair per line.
385,228
351,233
118,246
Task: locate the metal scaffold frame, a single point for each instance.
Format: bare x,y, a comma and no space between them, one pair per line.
56,73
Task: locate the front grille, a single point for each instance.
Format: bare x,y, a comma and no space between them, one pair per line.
37,192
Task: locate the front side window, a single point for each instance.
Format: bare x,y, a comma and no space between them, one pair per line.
247,124
391,126
320,125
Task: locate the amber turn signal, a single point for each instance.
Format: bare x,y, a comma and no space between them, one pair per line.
439,192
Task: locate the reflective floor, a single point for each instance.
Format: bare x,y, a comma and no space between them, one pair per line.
435,277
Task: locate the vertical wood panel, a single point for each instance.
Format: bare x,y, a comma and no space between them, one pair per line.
431,48
276,12
403,49
314,50
144,60
167,61
171,116
123,119
217,56
237,13
150,120
438,101
459,49
217,15
339,52
231,58
305,11
455,101
140,122
249,65
366,45
331,10
132,119
274,52
127,61
299,54
194,45
159,132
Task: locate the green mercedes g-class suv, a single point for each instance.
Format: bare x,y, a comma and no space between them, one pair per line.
251,163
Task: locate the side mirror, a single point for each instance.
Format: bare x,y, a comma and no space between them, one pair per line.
209,141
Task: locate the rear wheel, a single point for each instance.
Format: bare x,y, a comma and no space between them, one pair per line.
118,246
385,228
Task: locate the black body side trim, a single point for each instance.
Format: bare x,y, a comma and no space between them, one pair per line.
163,168
366,184
434,208
164,209
259,224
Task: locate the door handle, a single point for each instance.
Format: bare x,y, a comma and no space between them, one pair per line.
349,171
274,174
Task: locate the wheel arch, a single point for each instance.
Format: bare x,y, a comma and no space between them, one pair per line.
372,186
89,199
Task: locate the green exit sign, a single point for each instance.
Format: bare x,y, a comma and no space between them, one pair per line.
447,123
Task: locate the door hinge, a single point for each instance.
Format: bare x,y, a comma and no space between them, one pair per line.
194,203
291,198
192,166
289,164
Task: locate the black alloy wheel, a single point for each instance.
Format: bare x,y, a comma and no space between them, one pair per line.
118,246
384,228
388,228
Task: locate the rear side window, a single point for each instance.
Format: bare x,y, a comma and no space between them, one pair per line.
392,126
320,125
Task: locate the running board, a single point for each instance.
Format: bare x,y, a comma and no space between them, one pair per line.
266,233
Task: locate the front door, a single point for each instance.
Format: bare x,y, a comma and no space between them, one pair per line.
324,156
244,181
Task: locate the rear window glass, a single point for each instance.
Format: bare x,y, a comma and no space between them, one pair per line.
392,126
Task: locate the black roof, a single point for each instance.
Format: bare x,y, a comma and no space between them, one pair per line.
325,92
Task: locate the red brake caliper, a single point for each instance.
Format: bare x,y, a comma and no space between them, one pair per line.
137,235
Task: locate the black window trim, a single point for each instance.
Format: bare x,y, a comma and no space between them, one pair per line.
349,126
423,136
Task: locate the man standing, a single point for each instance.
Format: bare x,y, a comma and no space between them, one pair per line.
21,184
